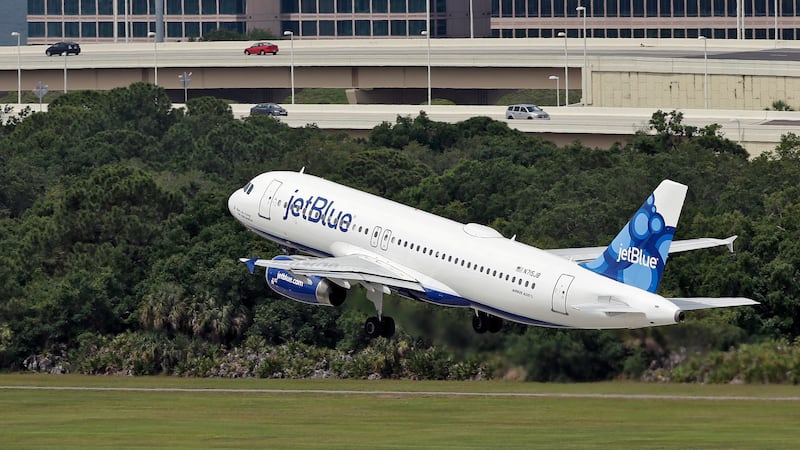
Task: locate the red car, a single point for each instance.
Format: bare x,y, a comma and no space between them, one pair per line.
261,48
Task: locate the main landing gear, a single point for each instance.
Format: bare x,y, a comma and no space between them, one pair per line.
375,327
380,325
483,322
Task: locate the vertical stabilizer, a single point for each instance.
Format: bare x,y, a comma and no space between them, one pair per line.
638,254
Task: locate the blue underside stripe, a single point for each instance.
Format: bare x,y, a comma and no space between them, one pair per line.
431,296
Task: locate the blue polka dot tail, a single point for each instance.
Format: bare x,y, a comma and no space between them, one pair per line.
638,254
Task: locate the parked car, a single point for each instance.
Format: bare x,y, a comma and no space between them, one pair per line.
271,109
261,48
59,48
526,111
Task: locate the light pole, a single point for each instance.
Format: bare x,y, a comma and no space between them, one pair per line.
566,69
705,71
558,100
582,9
291,40
152,34
738,130
428,38
66,53
19,69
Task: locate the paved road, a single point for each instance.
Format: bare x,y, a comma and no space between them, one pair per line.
412,393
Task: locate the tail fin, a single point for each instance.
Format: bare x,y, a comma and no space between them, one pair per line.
638,254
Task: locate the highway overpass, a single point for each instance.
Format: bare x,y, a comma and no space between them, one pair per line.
597,127
658,73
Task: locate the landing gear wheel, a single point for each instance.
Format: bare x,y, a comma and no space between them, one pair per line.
480,323
372,327
388,327
495,324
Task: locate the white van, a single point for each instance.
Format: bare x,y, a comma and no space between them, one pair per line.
526,111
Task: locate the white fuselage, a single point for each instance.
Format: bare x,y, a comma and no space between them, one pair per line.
459,265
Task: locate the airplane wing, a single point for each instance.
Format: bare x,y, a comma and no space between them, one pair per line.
689,304
342,270
586,254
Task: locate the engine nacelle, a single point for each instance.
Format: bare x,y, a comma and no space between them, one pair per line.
319,291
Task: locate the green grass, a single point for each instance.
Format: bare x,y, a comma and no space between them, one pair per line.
386,419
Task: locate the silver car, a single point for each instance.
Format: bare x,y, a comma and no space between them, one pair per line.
526,111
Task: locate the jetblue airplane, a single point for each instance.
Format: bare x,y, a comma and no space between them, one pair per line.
351,238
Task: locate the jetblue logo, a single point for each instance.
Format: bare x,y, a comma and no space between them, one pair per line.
283,276
636,255
318,210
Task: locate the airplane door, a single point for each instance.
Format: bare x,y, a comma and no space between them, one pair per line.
269,196
387,234
560,293
376,236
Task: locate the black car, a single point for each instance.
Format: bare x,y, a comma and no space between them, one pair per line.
271,109
59,48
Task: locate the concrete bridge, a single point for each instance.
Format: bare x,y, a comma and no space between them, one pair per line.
657,74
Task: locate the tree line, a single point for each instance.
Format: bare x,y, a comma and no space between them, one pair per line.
118,254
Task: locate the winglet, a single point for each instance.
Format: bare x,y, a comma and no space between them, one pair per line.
729,242
251,263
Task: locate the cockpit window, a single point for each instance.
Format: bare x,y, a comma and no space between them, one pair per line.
248,188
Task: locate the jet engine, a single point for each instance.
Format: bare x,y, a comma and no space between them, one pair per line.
312,290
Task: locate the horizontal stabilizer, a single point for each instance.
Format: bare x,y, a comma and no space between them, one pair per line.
583,254
689,304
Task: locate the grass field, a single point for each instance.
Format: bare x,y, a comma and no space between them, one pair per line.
203,413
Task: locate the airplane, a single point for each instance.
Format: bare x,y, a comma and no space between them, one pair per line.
352,238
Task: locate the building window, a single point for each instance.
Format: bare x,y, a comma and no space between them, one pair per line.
326,7
174,7
105,29
397,6
380,28
175,29
138,7
380,6
361,6
399,28
416,6
308,6
88,8
71,8
209,27
345,6
54,30
192,7
209,7
35,7
328,28
35,29
231,7
344,27
415,27
72,29
88,29
53,7
191,29
309,28
363,28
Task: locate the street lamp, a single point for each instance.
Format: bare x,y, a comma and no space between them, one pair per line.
66,53
738,130
19,69
152,34
582,9
291,40
566,69
428,38
705,71
558,100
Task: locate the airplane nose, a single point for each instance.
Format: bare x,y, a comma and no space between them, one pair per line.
232,201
